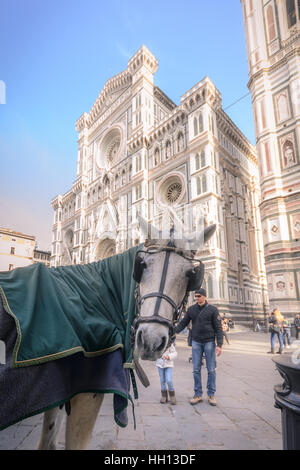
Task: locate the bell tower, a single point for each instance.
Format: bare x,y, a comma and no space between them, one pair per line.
272,29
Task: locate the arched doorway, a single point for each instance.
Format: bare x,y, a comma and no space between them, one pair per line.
105,248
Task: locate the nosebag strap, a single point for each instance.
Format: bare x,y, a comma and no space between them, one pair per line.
140,372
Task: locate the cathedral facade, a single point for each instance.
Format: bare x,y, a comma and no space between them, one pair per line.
272,30
141,154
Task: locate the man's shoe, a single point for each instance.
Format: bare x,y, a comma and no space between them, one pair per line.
279,352
271,352
195,400
212,401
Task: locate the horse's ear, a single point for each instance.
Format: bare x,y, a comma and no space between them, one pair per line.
150,242
148,230
143,225
208,232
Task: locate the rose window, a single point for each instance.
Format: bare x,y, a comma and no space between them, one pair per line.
109,148
174,191
171,189
113,149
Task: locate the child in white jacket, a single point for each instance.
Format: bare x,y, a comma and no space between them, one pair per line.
165,369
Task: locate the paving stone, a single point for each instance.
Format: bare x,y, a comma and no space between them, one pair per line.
12,437
235,440
31,440
218,420
154,409
258,430
270,444
240,414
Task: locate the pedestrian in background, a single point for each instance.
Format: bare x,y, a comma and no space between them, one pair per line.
286,333
165,366
225,328
297,325
276,329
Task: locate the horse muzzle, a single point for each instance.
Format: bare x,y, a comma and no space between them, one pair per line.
151,337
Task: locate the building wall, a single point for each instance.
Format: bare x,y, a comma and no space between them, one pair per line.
138,152
16,249
41,256
273,47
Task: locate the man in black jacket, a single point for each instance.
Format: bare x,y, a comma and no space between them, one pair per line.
206,330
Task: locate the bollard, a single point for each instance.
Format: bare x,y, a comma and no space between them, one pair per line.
287,399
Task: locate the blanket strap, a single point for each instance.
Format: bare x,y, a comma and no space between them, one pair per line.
68,407
134,386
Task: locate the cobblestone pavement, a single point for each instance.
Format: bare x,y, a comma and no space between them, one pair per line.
245,417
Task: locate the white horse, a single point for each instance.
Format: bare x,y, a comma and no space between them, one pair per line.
164,274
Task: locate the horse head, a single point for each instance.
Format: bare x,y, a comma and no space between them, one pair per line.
165,273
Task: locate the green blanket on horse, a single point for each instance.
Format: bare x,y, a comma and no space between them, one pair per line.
65,310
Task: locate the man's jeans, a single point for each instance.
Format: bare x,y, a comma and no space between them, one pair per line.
209,350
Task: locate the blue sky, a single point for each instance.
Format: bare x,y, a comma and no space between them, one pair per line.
55,57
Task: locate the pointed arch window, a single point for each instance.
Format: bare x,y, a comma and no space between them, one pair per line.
204,184
195,126
203,158
217,240
180,142
271,23
138,163
201,184
222,286
292,11
210,291
156,156
138,191
200,160
201,127
168,149
198,182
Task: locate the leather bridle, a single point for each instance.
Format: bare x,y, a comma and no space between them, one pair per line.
177,308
